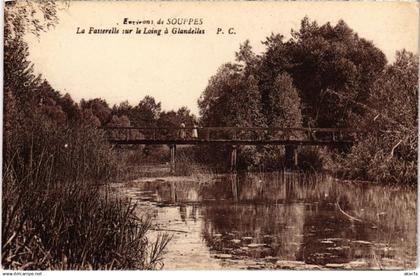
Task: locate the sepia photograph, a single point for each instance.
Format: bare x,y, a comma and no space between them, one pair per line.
210,135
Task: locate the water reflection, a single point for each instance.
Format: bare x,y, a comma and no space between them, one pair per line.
280,220
257,231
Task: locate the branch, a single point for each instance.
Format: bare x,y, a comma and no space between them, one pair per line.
393,149
369,109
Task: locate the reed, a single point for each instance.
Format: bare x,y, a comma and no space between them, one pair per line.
58,212
186,165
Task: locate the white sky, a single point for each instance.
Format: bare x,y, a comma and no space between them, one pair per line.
175,69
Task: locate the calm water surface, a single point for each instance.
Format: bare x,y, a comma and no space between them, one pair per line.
279,221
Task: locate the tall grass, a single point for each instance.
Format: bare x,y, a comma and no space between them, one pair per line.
185,165
133,163
58,212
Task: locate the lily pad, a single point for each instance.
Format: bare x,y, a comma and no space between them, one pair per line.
362,242
223,256
335,266
255,245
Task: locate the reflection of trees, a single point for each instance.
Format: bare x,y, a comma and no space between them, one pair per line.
391,216
278,227
328,235
296,216
254,188
332,237
263,188
189,191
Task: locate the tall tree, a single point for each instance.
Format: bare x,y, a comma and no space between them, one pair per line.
146,113
231,99
124,108
284,103
215,101
332,57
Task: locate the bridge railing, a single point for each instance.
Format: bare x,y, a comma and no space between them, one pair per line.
230,133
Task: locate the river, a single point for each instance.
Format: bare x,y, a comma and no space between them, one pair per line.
279,221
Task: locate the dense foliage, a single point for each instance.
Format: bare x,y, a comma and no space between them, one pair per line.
389,154
324,76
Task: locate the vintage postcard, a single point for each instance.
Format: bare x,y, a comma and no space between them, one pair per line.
211,135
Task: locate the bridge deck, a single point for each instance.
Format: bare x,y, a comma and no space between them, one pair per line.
225,142
229,136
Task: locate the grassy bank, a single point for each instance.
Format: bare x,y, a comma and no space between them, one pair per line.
58,212
371,160
136,162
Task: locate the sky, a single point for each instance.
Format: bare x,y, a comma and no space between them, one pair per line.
175,69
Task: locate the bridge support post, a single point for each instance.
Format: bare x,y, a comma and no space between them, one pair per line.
234,183
233,156
173,156
291,157
173,193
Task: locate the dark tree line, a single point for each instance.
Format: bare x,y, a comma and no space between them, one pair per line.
324,76
146,114
289,84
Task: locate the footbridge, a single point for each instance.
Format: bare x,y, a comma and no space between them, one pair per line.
291,138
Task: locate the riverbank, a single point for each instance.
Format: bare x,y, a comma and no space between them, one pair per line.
58,211
190,170
71,221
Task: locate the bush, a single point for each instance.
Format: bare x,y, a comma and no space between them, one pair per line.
311,159
374,160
